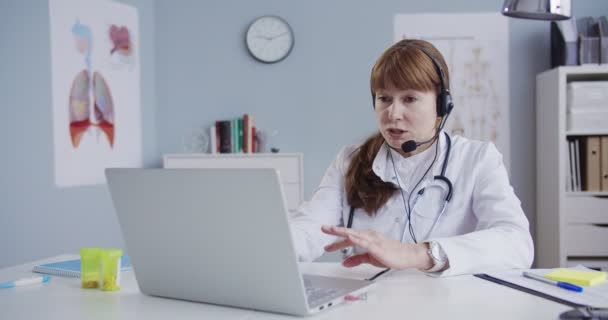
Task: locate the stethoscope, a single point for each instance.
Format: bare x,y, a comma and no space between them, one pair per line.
438,179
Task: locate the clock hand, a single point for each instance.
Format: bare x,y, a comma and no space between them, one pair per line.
263,37
278,35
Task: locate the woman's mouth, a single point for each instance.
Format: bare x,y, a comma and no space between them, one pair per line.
395,133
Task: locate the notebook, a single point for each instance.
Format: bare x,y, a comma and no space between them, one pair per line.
71,268
579,277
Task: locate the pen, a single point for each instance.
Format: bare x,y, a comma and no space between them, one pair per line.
565,285
25,281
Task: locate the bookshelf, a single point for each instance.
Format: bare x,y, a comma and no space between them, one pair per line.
289,165
571,227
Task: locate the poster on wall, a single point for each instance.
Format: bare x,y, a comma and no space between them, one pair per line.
475,47
95,71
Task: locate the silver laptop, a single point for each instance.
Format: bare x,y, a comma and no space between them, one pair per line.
217,236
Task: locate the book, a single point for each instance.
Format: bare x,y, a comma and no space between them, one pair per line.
233,136
254,141
246,134
71,268
212,139
241,134
252,130
577,166
570,178
225,136
579,277
604,165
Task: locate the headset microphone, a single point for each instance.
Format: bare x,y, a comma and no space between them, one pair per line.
411,145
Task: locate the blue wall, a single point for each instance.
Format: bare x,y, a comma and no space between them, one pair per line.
38,219
195,69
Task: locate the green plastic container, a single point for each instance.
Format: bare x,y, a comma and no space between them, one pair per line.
110,269
90,267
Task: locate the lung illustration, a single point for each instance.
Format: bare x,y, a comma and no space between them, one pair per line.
90,108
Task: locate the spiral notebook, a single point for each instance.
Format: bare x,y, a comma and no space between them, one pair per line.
71,268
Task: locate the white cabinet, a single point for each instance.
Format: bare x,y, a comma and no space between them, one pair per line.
289,166
571,227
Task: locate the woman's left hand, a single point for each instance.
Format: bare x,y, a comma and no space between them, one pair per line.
381,252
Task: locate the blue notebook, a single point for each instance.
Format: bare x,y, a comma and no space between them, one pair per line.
71,268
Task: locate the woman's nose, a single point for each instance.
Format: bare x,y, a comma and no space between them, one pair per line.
395,111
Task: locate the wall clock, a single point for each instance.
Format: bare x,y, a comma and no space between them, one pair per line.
269,39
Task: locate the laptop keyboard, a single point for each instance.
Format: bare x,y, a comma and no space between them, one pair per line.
317,296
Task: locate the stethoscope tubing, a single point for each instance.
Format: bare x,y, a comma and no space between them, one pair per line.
440,177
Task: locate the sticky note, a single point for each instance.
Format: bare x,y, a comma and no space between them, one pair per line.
579,277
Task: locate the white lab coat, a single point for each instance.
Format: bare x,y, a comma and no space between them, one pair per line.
482,228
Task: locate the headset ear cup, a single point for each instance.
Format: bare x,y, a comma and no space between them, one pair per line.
444,104
448,104
440,106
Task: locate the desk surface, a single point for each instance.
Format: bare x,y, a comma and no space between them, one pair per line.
409,294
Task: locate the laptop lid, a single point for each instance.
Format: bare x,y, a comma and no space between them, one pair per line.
218,236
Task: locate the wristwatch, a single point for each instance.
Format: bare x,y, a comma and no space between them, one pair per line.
438,256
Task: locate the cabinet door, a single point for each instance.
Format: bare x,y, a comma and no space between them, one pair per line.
587,240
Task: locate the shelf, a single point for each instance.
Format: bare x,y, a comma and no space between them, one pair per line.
587,194
585,69
569,225
587,133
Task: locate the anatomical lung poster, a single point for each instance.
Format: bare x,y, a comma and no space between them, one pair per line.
95,89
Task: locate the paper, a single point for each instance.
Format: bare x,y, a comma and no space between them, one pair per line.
595,296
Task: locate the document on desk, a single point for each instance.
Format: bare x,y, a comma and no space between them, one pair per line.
594,296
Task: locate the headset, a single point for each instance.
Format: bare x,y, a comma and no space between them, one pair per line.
445,105
444,98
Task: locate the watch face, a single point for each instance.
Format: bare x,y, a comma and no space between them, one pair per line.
269,39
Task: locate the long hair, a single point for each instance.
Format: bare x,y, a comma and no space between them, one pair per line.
403,66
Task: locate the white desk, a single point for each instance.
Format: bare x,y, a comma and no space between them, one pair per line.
401,295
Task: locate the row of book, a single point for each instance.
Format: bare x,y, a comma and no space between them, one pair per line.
587,163
234,136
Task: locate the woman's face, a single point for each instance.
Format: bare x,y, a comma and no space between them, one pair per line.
406,115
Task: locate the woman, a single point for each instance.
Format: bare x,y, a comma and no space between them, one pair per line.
412,196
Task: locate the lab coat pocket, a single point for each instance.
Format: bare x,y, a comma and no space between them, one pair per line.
429,204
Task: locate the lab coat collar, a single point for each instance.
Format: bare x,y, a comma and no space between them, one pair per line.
382,164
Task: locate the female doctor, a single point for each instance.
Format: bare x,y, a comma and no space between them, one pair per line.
412,196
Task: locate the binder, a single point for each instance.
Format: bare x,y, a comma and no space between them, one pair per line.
591,164
564,43
604,163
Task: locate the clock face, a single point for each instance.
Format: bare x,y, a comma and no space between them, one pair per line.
269,39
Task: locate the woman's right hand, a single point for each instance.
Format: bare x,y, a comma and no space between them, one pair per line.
382,251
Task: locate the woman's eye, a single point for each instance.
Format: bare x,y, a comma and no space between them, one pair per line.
410,99
383,99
